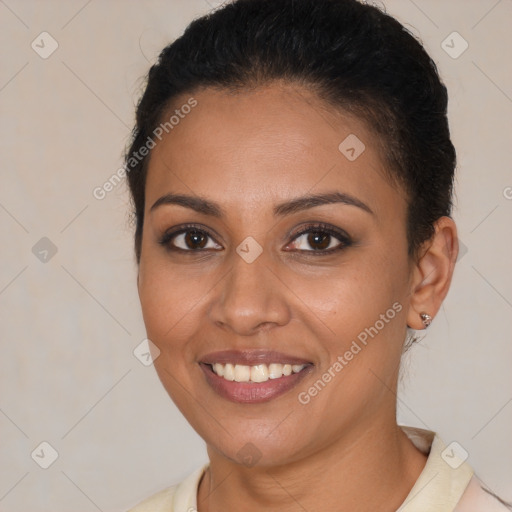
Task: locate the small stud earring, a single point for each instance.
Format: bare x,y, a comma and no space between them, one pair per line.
426,319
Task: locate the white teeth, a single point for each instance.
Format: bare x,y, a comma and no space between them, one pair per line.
275,371
242,373
218,369
258,373
229,371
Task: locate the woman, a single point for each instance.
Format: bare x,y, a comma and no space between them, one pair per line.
291,173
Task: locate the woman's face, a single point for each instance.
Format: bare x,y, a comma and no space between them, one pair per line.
246,288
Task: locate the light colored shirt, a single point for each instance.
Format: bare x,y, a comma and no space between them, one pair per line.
446,484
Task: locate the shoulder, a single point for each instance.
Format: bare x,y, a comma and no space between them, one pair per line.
159,502
447,482
478,499
182,496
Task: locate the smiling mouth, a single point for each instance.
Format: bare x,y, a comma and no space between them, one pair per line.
255,374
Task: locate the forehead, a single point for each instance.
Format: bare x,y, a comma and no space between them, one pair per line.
259,146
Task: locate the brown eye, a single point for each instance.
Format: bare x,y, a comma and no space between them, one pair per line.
189,240
317,240
321,239
195,239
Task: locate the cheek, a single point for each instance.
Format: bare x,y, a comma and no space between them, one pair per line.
167,300
170,304
363,304
353,295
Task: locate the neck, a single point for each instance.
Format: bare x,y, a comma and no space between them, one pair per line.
377,458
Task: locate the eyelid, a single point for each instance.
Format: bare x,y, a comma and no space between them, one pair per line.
169,234
341,235
321,227
338,233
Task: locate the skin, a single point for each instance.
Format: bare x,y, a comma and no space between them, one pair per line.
248,152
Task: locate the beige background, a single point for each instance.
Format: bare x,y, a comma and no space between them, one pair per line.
69,325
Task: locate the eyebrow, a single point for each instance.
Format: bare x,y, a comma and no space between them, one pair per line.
298,204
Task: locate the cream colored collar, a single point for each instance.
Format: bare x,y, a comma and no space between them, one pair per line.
439,487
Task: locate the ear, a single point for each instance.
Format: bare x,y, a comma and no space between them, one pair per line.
433,272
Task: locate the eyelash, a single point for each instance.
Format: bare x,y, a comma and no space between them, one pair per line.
318,228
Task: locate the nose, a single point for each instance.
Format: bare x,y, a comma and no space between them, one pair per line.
250,298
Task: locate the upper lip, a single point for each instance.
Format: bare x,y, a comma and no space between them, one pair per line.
251,357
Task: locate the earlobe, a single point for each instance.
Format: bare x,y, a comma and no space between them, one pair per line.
433,274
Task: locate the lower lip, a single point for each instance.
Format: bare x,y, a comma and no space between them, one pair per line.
252,392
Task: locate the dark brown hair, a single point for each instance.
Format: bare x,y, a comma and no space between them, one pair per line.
354,56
